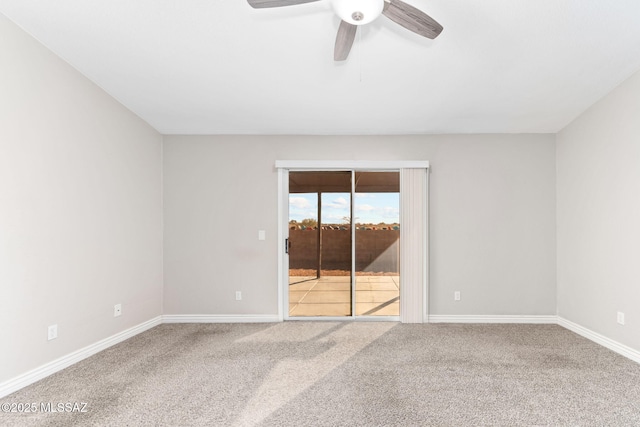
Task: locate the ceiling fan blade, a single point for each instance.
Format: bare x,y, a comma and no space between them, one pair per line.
261,4
344,41
412,19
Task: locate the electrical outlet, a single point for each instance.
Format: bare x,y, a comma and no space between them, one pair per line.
238,295
621,318
456,295
52,332
117,310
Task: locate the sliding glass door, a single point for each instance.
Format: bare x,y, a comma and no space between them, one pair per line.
319,245
377,243
343,244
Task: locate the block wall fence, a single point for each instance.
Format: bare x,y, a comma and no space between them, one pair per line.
376,250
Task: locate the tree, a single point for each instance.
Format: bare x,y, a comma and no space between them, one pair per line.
309,222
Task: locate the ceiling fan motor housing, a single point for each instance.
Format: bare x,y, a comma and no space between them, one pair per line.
358,12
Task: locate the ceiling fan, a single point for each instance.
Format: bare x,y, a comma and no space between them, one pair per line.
359,12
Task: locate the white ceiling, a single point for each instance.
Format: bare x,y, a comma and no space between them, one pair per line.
221,67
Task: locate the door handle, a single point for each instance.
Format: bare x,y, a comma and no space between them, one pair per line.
286,246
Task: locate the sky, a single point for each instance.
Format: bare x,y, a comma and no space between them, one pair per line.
371,208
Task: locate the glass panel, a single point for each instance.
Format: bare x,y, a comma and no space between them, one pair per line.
319,255
377,222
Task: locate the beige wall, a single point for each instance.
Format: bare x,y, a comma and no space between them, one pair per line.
80,209
492,218
598,161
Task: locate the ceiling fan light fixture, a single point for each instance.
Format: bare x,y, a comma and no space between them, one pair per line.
358,12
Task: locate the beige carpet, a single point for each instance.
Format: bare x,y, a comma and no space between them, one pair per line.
343,374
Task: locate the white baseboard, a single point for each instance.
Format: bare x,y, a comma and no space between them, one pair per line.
59,364
220,318
619,348
445,318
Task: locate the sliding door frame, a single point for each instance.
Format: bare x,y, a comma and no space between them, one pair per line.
283,167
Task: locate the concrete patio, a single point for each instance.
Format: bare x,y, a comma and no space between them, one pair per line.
331,296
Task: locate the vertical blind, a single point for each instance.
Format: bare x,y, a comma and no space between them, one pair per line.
413,245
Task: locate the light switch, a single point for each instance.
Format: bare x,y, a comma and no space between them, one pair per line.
261,235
